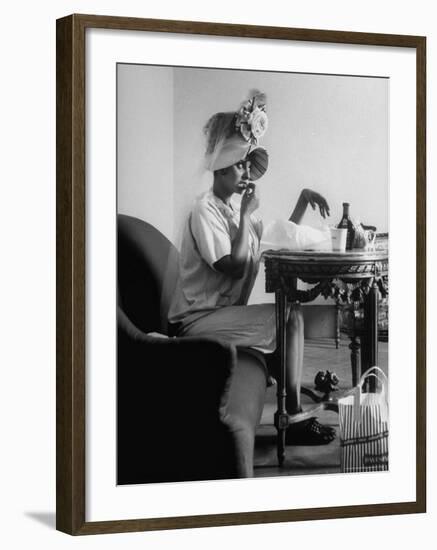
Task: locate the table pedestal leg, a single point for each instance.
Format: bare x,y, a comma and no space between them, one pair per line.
337,324
281,416
355,346
370,336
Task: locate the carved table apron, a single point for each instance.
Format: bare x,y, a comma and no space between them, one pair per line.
352,276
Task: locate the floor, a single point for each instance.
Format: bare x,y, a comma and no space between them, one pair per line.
300,460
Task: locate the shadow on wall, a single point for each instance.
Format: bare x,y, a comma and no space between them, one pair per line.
46,518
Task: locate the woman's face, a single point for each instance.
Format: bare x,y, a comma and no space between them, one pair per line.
235,178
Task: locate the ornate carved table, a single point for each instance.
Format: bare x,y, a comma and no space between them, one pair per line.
352,276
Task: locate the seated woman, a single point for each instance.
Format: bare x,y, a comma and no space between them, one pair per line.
220,259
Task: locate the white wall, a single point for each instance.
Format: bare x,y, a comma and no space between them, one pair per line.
145,144
329,133
27,224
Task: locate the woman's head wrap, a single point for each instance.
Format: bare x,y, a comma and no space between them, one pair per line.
230,135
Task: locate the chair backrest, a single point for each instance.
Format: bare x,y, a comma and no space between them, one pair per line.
147,271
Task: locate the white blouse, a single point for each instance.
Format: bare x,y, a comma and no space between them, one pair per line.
208,235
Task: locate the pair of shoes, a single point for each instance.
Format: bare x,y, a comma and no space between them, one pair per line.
309,432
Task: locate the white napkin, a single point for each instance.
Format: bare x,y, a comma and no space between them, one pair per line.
282,234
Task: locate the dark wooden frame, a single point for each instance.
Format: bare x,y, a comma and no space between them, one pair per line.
70,297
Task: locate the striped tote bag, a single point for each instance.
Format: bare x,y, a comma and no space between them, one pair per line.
364,427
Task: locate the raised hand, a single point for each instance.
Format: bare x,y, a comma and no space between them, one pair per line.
316,199
249,200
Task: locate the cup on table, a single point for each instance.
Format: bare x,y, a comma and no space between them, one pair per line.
338,239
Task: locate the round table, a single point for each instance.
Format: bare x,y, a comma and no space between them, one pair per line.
351,276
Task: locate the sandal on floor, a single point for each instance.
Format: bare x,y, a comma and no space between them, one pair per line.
309,432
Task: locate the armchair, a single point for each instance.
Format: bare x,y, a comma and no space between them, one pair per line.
187,408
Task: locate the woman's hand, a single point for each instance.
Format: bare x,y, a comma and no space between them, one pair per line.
250,200
315,199
309,197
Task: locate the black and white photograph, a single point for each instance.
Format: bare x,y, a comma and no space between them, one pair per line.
252,274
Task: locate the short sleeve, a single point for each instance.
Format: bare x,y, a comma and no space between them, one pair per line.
210,233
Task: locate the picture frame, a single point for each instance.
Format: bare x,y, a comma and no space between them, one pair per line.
72,250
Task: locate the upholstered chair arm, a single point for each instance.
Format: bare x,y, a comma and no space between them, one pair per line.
203,366
171,394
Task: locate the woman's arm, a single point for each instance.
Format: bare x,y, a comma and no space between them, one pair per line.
234,264
306,197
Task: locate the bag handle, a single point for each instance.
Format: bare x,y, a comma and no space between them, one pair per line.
383,384
372,372
361,381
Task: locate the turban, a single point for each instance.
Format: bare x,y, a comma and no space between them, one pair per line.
231,135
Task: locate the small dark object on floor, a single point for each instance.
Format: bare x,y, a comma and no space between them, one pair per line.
309,432
326,382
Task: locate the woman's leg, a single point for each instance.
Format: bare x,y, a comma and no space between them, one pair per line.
295,347
307,432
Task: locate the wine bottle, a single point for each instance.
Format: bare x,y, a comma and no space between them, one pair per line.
346,223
